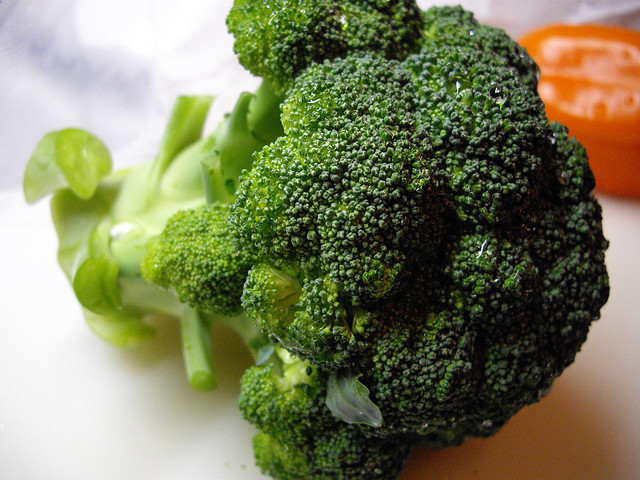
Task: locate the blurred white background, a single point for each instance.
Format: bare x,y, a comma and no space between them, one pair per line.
115,67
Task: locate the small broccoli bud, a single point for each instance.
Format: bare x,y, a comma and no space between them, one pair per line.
307,315
196,257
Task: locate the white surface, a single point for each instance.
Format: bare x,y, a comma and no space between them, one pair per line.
74,408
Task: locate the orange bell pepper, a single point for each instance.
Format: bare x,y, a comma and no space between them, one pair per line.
590,82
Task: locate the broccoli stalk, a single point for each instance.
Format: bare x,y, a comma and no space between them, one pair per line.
228,151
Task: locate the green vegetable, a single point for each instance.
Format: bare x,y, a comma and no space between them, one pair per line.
421,221
196,257
278,39
348,399
411,250
299,436
68,158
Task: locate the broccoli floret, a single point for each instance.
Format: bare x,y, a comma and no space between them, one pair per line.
299,437
196,257
348,191
377,157
489,132
278,39
488,329
307,314
454,26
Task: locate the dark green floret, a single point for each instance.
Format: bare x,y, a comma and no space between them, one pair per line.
489,131
300,438
349,191
278,39
455,27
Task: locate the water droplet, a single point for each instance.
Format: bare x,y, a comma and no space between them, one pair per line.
457,86
482,248
499,94
344,23
487,425
125,230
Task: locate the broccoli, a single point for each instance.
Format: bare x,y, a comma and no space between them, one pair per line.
299,437
195,256
278,39
456,27
409,247
425,233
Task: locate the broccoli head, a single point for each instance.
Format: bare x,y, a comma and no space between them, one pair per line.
421,221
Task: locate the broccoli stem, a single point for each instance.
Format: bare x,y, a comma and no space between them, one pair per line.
253,123
247,330
184,128
196,349
197,343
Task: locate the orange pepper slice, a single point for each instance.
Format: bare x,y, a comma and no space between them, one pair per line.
590,82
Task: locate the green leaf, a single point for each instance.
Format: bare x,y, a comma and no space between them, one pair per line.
348,399
75,221
96,285
71,158
95,282
122,329
264,354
